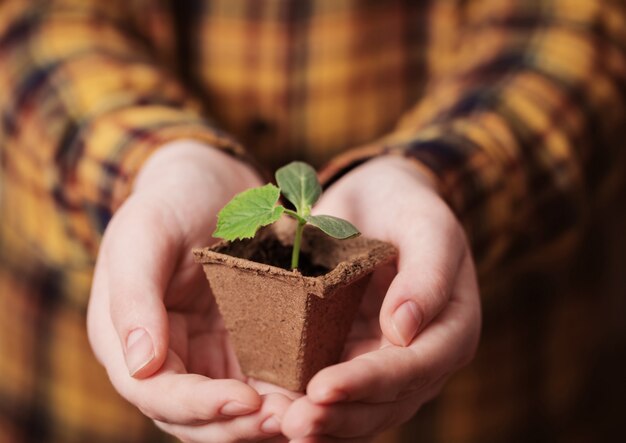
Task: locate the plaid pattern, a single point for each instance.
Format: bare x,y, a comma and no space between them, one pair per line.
517,106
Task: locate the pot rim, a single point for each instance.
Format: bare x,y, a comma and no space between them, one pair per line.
344,273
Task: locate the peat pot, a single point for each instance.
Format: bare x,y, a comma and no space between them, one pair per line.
287,325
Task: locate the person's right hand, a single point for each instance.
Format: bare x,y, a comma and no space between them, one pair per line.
152,320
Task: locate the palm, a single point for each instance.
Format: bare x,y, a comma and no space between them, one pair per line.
198,338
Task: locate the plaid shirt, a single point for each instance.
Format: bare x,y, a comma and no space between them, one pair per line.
517,107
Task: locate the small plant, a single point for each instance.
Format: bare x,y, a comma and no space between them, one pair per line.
250,210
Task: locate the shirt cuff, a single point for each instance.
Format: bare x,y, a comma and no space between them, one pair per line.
116,147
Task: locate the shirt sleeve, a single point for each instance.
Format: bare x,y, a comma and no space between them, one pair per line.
522,119
84,101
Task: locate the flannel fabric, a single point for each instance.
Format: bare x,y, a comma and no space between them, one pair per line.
517,107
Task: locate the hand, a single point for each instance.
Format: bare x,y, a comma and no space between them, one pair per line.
417,324
152,320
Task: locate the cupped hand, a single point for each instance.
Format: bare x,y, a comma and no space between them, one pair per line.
419,322
152,320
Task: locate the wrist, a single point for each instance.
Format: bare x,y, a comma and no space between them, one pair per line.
390,173
412,167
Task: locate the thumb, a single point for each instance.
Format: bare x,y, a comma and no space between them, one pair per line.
140,258
428,263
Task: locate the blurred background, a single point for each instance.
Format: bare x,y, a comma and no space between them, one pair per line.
551,366
564,378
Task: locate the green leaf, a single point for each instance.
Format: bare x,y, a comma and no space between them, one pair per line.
247,212
298,183
334,226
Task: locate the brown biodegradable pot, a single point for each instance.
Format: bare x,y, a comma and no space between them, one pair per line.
286,326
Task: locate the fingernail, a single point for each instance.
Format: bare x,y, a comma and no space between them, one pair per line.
406,321
139,350
271,425
234,408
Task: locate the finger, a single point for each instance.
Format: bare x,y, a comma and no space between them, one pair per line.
140,254
170,395
263,387
261,425
186,399
174,397
384,375
353,420
190,399
346,420
376,377
429,259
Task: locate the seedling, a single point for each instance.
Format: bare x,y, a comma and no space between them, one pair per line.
250,210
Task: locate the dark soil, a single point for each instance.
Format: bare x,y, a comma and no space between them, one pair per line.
272,252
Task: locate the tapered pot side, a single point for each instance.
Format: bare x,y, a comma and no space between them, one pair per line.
286,326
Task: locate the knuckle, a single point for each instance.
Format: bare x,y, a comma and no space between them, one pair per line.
122,384
149,411
450,230
118,312
436,286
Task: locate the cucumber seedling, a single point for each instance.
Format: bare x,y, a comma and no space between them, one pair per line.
250,210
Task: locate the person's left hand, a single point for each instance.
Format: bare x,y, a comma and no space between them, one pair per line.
410,336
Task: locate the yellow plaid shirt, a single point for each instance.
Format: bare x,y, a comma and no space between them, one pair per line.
518,107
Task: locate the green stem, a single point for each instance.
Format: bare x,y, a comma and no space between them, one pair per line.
293,214
295,255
